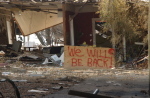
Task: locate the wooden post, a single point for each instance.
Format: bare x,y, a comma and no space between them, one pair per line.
113,25
124,48
64,23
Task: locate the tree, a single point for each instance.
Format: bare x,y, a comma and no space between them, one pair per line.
125,19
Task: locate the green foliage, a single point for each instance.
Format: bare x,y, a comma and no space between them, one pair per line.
126,18
129,19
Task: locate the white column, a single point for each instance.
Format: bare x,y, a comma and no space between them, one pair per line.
9,32
71,32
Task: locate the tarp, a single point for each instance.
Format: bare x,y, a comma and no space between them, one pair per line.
32,21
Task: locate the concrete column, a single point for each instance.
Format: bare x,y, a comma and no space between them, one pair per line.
71,33
9,31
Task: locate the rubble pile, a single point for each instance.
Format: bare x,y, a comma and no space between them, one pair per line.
37,75
35,79
138,63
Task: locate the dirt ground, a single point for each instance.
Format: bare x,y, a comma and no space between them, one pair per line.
35,80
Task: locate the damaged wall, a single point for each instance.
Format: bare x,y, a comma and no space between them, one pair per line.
82,25
83,28
68,9
3,29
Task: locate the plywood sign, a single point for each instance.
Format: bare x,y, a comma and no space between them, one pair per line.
79,57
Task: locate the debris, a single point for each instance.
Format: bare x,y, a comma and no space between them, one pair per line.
113,68
2,80
62,58
3,64
1,95
43,89
110,81
138,63
55,59
19,80
37,91
10,82
46,61
9,61
22,70
33,57
53,50
6,73
14,49
88,95
36,75
57,87
117,84
16,46
28,95
61,83
30,58
144,92
30,46
65,78
96,91
2,53
122,67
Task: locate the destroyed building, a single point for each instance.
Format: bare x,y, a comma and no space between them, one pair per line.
41,39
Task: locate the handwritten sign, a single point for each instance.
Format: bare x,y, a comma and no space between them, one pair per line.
80,57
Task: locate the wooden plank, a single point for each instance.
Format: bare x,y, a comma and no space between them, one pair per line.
81,57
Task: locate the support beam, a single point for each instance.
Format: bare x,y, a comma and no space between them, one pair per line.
71,32
9,31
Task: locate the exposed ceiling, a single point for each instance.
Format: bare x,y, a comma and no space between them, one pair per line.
27,16
32,16
38,5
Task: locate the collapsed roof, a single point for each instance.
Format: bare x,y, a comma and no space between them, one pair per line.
36,15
